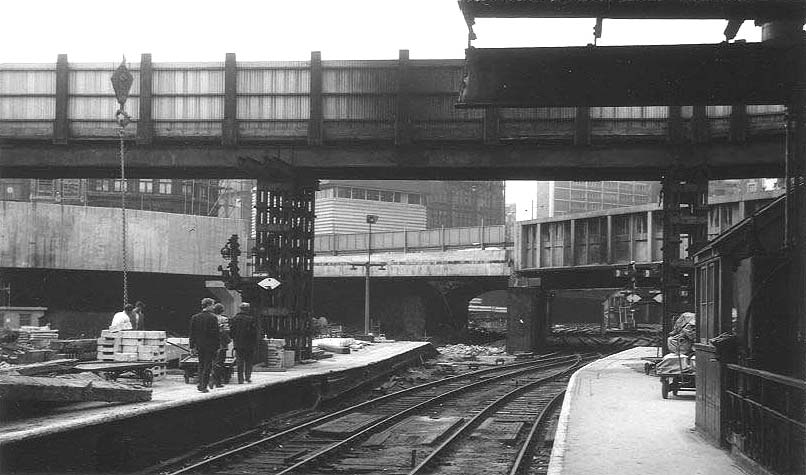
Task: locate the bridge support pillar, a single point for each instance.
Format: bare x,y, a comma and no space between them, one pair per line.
527,326
229,298
282,229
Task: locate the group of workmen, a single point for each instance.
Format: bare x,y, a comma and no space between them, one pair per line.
211,332
210,335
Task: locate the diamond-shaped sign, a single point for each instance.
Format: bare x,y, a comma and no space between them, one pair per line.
269,283
658,298
122,81
633,298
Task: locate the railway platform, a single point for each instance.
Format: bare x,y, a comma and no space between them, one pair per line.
99,437
614,420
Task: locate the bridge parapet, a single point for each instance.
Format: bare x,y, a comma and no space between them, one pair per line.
318,102
491,262
438,239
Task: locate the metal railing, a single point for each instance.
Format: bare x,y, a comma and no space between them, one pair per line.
766,418
440,239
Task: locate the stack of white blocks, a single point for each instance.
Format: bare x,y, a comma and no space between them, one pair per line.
275,356
134,345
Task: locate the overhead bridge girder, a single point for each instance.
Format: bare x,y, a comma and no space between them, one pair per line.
666,75
656,9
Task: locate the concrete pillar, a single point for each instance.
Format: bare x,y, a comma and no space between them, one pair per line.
650,237
609,255
229,298
526,327
572,240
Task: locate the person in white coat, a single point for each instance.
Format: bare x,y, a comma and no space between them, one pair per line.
122,320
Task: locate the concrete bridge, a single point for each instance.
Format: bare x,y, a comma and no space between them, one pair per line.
581,250
353,119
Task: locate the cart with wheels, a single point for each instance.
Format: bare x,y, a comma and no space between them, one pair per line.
651,361
112,370
676,373
677,382
190,367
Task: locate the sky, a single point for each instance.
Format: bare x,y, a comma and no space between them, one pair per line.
36,31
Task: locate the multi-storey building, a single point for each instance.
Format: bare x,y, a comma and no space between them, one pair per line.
565,197
734,187
342,205
555,198
200,197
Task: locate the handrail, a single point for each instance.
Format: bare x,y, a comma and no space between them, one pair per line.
406,241
778,378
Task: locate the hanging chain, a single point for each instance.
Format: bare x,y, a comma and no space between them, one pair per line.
123,212
121,82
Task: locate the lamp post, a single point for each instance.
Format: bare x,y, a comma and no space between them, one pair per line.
371,219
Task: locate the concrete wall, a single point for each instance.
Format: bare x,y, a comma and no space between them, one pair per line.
37,235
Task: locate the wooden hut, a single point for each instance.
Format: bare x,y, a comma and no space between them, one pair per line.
751,382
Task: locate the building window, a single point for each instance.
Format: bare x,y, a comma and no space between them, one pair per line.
101,185
639,221
118,185
165,187
707,298
71,189
622,226
577,195
726,217
373,195
398,197
359,194
343,192
187,187
387,196
414,199
146,186
203,192
43,189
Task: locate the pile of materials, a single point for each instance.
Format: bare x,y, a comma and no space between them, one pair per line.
463,352
134,346
340,345
27,344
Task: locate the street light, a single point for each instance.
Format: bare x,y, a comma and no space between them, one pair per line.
371,219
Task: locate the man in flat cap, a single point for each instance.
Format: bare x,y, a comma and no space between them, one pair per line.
245,334
204,338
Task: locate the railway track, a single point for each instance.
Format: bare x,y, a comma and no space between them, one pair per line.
411,431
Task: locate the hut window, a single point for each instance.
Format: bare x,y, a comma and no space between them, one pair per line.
707,298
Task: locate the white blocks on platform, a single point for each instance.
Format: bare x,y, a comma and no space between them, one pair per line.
132,345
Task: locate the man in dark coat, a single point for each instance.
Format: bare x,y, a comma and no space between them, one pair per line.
244,333
204,338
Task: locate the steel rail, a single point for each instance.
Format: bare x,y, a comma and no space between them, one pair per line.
548,358
520,459
399,415
484,413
